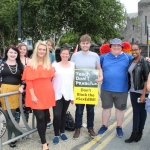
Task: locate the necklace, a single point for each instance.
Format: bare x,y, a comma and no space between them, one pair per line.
13,69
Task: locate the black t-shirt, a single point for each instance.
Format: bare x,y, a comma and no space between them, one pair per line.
8,77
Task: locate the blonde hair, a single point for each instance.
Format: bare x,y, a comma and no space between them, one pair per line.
46,59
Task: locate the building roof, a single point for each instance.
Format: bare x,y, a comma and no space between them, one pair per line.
132,15
145,1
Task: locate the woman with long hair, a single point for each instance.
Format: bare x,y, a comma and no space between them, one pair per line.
24,59
39,90
11,70
138,73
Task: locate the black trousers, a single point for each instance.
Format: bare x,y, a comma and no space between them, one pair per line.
59,112
10,126
139,112
41,118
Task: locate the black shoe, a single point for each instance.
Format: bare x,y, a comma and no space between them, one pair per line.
13,144
134,137
140,133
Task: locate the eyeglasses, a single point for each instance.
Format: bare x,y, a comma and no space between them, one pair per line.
133,50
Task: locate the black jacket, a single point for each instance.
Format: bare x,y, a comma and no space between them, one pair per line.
140,74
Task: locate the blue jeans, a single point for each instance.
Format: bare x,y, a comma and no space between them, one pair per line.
79,114
139,112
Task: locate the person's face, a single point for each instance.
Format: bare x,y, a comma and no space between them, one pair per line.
23,50
85,46
49,45
41,51
135,51
116,49
12,54
64,55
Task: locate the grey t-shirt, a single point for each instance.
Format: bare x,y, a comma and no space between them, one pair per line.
87,60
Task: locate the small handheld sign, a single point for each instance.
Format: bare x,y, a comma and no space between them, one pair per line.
85,86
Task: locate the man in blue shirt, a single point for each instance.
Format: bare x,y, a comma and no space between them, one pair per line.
114,88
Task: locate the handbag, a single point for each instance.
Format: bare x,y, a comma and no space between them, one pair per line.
69,122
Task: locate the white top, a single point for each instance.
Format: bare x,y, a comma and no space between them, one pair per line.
63,81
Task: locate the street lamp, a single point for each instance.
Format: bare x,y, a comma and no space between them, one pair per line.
148,37
19,21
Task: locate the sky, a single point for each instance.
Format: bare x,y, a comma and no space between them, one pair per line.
130,5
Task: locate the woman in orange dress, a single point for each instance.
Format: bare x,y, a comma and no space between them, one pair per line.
39,90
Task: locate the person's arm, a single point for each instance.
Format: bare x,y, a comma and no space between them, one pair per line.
148,83
142,97
100,78
31,90
145,77
54,59
130,58
21,88
98,67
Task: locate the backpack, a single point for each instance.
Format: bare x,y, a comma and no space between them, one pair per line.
69,122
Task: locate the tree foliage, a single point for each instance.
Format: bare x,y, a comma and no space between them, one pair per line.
8,22
70,37
43,19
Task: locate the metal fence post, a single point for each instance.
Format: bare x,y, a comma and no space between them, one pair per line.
24,132
1,147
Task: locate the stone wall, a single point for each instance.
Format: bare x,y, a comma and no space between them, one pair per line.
135,30
145,50
143,11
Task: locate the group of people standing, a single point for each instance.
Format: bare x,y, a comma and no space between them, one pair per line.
122,73
50,84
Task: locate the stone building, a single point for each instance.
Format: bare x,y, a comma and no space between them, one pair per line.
136,27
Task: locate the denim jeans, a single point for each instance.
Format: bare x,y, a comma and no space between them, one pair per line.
79,114
139,112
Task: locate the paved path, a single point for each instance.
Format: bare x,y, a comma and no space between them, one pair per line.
108,141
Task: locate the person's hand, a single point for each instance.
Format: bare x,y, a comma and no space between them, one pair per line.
99,79
34,99
53,69
72,102
21,89
148,59
142,99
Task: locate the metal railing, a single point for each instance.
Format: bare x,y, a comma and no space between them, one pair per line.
26,130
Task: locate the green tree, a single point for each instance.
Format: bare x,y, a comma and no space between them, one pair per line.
43,19
70,37
8,23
